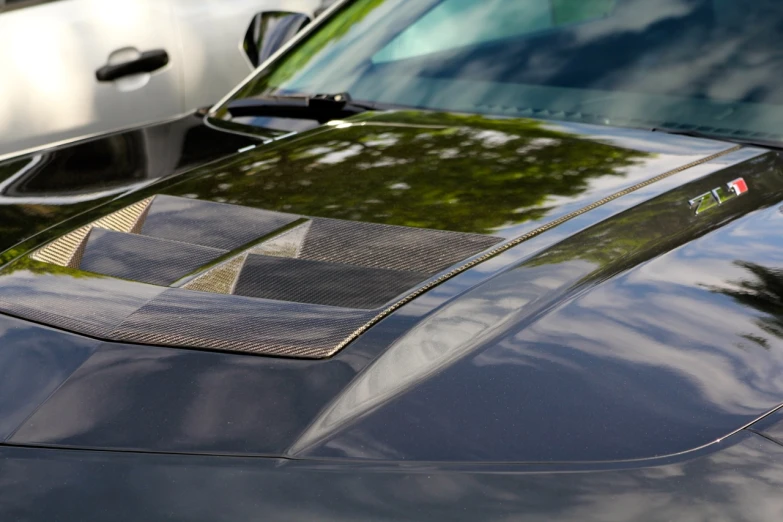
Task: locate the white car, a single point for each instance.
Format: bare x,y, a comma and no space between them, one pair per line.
73,68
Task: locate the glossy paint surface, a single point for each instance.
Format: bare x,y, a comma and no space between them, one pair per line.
452,377
164,399
740,482
560,379
770,427
460,173
41,189
34,362
442,171
498,176
649,334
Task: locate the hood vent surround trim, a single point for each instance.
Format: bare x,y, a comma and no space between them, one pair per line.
190,273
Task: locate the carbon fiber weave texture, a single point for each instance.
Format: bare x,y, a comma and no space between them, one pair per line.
322,283
142,259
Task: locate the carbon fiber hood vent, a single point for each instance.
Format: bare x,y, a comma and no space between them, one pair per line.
182,272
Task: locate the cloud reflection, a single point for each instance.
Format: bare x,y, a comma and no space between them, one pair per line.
739,483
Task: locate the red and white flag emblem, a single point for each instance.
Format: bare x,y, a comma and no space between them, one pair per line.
738,186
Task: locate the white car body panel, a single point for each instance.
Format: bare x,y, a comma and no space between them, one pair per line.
51,50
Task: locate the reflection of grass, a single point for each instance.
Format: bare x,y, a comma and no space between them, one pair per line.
463,173
654,226
20,221
25,263
624,235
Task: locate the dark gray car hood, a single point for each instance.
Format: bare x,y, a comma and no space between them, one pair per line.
565,302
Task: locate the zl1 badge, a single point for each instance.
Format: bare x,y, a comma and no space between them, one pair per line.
718,196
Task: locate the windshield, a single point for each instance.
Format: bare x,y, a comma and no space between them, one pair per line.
706,65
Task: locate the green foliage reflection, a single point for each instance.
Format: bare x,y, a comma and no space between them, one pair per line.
461,173
27,264
762,291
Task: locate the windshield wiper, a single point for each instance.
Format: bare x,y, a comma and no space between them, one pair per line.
318,107
717,137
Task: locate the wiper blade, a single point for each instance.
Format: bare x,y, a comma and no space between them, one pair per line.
719,137
318,107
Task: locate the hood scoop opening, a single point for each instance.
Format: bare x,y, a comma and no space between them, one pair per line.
182,272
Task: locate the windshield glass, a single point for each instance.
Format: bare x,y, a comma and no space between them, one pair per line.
706,65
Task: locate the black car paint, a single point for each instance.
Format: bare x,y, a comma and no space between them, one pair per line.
38,189
489,426
350,171
741,480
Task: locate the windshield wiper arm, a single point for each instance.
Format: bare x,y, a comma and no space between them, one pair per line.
319,107
718,137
